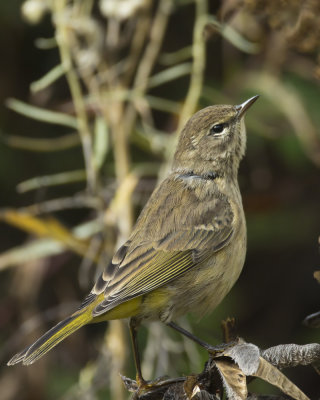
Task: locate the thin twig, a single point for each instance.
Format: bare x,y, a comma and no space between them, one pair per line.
149,57
198,66
62,36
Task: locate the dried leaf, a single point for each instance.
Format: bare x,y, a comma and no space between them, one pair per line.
291,355
190,384
49,227
199,394
130,384
271,374
31,251
246,355
234,380
46,247
229,331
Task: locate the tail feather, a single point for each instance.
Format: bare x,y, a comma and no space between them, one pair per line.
50,339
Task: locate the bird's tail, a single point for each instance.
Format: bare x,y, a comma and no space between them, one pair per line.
51,338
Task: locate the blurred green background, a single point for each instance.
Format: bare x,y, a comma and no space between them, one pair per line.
240,48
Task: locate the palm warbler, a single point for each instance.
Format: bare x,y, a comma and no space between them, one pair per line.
188,246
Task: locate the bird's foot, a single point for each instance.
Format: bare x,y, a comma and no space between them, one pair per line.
220,349
140,386
156,384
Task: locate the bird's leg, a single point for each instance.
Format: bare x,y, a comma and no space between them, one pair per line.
143,385
189,335
212,350
133,325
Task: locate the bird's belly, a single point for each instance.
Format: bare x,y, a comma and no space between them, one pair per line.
201,289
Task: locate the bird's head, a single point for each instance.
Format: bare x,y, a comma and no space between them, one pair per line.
213,138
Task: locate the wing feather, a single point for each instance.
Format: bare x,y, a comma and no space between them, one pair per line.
163,247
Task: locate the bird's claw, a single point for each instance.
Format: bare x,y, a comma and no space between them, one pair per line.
220,349
160,384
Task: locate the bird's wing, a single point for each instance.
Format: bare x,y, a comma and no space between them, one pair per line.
165,244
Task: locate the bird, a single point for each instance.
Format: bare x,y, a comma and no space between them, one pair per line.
188,246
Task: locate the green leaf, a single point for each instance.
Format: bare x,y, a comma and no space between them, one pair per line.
49,78
40,114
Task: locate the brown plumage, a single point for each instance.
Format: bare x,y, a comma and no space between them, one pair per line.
188,246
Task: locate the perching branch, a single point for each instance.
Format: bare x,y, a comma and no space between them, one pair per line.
230,369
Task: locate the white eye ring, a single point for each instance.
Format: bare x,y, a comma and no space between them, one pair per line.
217,129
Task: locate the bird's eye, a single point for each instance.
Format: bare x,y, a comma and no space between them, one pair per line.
216,129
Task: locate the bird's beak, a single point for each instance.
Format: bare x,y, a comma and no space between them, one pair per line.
242,108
